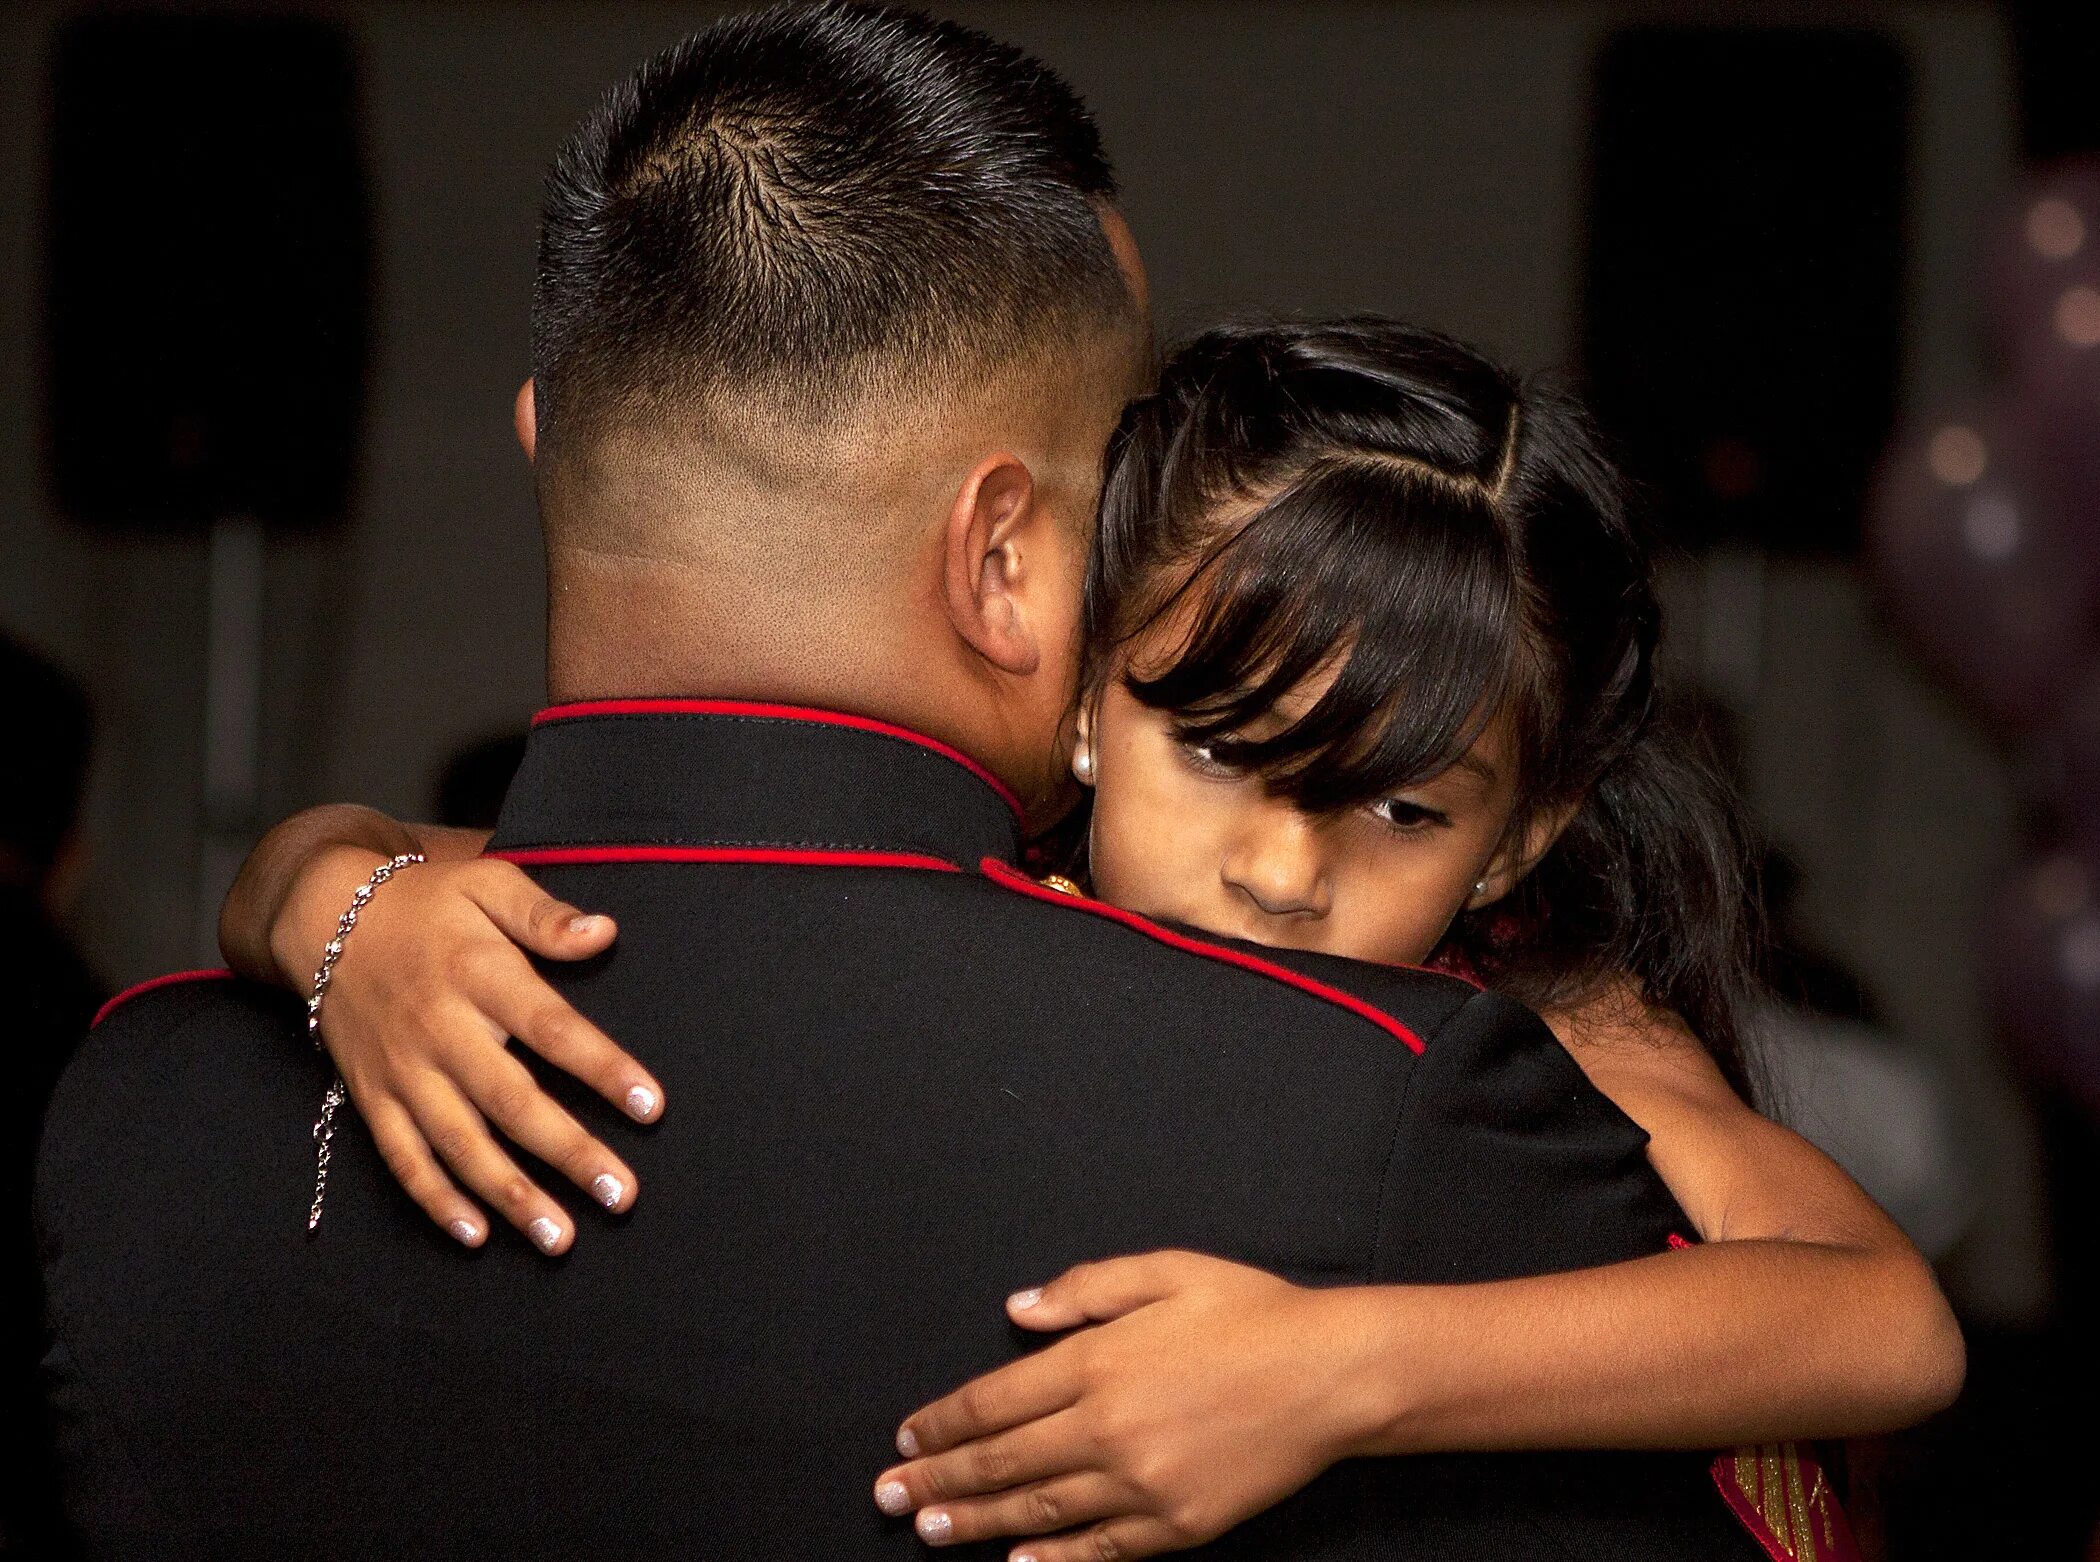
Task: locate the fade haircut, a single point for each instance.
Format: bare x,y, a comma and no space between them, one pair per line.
806,205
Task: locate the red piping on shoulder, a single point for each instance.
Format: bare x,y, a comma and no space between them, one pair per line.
1013,879
768,856
171,979
771,712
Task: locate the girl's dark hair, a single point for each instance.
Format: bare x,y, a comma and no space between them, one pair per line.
1367,494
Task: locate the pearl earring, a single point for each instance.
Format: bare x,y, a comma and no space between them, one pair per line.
1480,886
1083,766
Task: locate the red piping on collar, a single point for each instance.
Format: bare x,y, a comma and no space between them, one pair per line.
173,978
769,856
1013,879
771,712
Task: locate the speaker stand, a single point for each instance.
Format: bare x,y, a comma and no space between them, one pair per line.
232,713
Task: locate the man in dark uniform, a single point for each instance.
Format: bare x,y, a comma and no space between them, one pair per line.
829,331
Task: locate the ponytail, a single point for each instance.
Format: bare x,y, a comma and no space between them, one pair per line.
1651,880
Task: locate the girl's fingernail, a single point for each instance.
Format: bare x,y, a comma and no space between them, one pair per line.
908,1443
1021,1301
465,1231
893,1499
545,1234
608,1190
1022,1556
641,1101
935,1525
585,924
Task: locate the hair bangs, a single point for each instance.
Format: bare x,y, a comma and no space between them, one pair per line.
1388,579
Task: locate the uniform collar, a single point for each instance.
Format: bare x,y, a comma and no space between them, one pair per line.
682,778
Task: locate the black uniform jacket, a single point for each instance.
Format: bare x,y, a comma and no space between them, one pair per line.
902,1081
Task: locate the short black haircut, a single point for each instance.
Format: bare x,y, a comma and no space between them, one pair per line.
42,781
808,202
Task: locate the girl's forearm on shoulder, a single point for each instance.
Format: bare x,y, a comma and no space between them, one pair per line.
1726,1343
1806,1313
338,836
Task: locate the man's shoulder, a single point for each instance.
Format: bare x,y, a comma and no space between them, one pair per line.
1408,1003
156,1008
151,1050
189,1016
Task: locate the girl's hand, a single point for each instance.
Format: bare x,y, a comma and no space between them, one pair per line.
1206,1392
428,989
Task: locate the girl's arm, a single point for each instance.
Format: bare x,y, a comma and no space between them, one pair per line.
426,992
252,919
1212,1390
1820,1319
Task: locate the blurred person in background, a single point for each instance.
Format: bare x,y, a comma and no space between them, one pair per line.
52,995
1862,1093
1832,1067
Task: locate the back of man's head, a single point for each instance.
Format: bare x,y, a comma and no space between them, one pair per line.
790,239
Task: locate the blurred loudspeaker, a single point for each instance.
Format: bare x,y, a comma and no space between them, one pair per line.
1744,292
2057,49
205,273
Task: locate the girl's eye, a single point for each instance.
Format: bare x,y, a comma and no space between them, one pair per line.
1203,759
1396,813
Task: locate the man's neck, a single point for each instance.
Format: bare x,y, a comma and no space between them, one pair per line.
639,631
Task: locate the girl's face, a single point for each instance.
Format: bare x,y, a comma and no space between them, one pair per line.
1180,837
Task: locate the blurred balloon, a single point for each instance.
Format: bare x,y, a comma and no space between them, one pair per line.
1968,540
2045,278
2043,950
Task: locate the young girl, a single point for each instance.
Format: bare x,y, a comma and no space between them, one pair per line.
1371,643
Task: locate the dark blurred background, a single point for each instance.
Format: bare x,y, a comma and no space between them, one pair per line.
1832,274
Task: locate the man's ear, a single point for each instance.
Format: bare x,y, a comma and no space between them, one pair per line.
1519,855
524,419
993,528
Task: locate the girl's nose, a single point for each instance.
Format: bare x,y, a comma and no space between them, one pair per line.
1278,867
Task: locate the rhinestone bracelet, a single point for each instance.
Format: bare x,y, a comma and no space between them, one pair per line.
324,1126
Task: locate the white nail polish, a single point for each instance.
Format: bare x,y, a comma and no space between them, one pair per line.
893,1499
544,1233
465,1231
908,1443
1021,1301
641,1101
608,1190
935,1525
